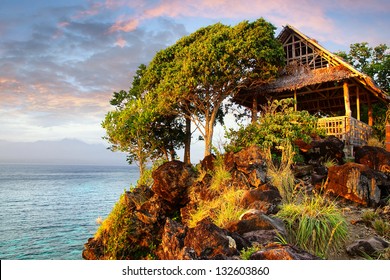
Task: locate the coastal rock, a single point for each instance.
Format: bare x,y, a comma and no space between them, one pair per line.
208,163
374,157
355,182
172,243
209,241
320,150
275,251
250,161
264,198
171,181
254,220
372,247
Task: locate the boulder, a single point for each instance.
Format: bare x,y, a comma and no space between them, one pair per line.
254,220
250,161
208,163
172,243
320,150
355,182
210,242
276,251
374,157
372,246
171,181
264,198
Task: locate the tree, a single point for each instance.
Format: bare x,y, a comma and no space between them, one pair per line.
140,128
374,62
201,70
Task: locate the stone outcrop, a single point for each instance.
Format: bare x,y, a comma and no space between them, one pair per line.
320,150
374,157
355,182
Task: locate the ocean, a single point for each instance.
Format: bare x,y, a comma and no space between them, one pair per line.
49,211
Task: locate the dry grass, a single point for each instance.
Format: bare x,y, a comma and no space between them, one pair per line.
315,225
222,210
281,174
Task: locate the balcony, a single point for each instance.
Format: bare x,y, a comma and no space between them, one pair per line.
349,130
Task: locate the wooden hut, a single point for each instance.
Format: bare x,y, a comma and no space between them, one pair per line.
320,81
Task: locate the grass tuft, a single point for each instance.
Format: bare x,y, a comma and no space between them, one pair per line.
315,225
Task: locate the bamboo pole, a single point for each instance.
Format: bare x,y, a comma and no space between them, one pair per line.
346,100
295,100
370,116
357,104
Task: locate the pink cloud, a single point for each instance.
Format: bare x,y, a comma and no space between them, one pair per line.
121,42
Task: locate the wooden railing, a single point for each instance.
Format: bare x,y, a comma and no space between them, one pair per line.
347,129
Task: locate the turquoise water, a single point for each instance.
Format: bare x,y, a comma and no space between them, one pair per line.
49,212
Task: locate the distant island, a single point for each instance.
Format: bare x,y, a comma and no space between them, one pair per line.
65,151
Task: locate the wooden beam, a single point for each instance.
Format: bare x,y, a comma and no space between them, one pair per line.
295,100
346,100
370,116
357,104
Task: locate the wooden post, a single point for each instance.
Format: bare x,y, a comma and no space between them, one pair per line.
346,100
370,116
295,100
357,104
254,110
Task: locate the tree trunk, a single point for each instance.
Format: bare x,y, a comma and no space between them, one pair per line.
187,142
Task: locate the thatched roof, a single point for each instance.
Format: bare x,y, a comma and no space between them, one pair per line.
306,77
301,78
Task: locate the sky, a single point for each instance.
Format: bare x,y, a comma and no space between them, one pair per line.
60,61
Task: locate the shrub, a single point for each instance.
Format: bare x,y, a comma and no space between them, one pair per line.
381,227
314,225
246,253
279,123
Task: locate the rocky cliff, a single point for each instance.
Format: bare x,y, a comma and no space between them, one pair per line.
165,221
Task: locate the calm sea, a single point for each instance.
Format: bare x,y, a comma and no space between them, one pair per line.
49,212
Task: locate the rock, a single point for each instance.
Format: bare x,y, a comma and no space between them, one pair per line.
254,220
372,247
374,157
172,243
208,163
275,251
265,198
93,250
355,182
171,181
302,170
261,236
228,161
330,148
319,175
250,161
209,241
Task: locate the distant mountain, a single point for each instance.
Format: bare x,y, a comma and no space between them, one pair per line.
67,151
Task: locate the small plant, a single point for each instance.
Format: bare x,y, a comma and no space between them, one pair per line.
315,225
369,216
375,142
381,227
246,253
330,163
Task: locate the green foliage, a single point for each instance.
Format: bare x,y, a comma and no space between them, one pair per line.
201,70
114,231
279,123
315,225
374,62
246,253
